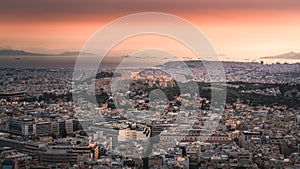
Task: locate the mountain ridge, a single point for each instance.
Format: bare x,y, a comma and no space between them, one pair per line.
289,55
11,52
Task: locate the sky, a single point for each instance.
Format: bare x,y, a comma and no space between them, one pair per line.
238,29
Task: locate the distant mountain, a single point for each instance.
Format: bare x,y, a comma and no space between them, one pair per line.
9,52
290,55
73,53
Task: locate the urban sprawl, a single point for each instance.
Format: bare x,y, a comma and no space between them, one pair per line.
50,120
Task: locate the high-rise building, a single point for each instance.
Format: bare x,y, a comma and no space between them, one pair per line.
69,153
42,128
59,128
62,128
20,126
69,126
54,128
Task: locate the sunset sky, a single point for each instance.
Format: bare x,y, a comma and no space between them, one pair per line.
238,29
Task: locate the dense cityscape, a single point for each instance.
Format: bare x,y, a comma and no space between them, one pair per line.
47,123
151,84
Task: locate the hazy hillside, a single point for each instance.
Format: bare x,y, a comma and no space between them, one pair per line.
290,55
